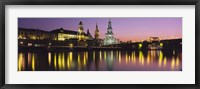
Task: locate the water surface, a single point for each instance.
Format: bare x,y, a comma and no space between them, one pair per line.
153,60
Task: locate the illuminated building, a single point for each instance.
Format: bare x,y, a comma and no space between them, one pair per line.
155,43
81,33
154,39
34,34
57,37
110,39
63,34
57,34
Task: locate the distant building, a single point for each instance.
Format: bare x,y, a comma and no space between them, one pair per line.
109,36
154,39
155,43
34,34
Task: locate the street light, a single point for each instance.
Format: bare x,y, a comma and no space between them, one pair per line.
140,45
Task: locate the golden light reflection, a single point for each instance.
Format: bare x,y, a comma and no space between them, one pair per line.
70,56
79,61
69,60
49,58
33,62
111,55
141,58
172,63
153,55
134,57
59,62
63,60
148,58
104,55
86,54
126,57
117,54
79,57
177,62
21,62
165,61
120,57
29,59
84,60
100,55
93,54
68,64
160,59
55,61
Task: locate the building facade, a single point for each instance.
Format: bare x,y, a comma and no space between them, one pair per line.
57,34
109,36
57,37
33,34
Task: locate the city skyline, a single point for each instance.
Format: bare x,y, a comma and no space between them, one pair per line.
124,29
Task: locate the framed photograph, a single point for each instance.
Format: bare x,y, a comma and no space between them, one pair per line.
100,44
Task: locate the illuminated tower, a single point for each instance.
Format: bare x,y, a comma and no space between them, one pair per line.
96,32
81,33
109,29
109,39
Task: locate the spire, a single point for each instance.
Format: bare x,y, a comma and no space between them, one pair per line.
80,23
89,35
80,27
96,32
97,27
109,24
109,29
88,32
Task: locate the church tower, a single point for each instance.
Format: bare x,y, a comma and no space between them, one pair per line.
96,32
89,35
80,28
81,33
109,39
109,29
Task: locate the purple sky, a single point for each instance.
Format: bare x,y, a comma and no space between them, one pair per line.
125,29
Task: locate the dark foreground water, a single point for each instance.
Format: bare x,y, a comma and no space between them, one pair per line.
154,60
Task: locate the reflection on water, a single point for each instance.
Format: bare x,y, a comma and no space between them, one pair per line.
154,60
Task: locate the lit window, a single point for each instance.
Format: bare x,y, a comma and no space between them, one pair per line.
30,44
21,42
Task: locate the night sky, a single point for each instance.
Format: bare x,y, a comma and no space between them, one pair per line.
125,29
